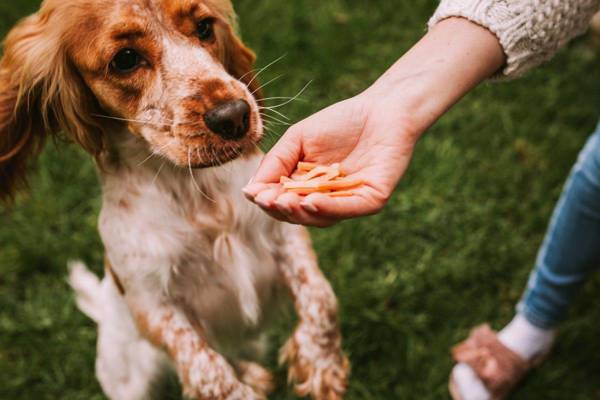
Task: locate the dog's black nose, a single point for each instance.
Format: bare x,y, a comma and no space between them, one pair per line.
231,120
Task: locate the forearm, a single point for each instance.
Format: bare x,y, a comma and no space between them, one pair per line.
373,135
449,61
530,31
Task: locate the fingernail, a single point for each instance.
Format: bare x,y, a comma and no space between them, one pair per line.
251,189
264,200
249,195
284,208
262,203
308,206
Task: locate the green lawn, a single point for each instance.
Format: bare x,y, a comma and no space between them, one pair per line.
452,249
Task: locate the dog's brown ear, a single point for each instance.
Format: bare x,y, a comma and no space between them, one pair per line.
40,95
239,61
22,128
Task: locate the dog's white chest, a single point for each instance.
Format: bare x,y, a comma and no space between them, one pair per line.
216,259
229,288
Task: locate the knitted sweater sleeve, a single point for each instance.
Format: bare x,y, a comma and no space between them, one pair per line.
530,31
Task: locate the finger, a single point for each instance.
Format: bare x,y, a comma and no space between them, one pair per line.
253,189
266,198
266,201
362,203
281,160
288,209
289,205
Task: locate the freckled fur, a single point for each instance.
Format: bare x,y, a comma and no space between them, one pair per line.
194,272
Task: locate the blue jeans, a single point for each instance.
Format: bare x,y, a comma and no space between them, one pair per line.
571,249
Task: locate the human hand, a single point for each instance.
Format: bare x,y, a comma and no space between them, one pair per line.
370,139
373,135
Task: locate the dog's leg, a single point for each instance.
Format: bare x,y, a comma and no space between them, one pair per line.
204,373
249,370
316,361
255,376
128,367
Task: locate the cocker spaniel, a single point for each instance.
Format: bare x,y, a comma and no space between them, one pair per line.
163,95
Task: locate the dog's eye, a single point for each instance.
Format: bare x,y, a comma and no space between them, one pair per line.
205,29
126,60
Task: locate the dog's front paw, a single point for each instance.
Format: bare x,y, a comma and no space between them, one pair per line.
209,377
238,392
255,376
317,365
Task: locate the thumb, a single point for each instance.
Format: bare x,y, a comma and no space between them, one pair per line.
281,160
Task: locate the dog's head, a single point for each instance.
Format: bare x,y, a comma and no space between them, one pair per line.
173,71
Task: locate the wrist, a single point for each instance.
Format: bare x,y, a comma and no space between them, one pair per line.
449,61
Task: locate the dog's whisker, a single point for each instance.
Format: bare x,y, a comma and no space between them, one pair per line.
194,178
215,156
229,169
153,153
282,115
272,134
260,71
139,121
190,169
238,152
281,98
264,85
271,125
274,120
217,160
270,130
158,172
205,155
252,71
289,101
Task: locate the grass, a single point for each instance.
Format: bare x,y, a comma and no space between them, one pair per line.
453,248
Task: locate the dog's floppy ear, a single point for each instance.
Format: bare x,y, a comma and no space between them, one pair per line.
40,95
239,61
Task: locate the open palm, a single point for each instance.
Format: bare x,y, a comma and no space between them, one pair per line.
370,140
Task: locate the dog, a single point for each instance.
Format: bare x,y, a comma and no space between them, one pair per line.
162,94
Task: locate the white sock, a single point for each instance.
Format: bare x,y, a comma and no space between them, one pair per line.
520,336
525,339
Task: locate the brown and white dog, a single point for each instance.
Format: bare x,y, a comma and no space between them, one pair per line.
162,94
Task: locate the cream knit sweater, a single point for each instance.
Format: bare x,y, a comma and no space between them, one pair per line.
530,31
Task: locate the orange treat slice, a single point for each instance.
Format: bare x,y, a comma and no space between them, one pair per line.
314,178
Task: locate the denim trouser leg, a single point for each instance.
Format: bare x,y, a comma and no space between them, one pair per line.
571,249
